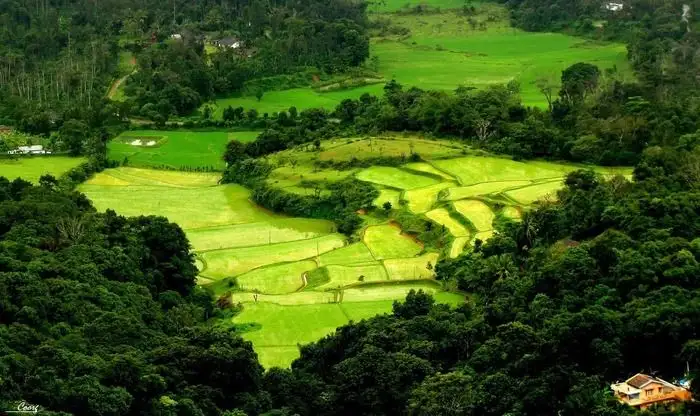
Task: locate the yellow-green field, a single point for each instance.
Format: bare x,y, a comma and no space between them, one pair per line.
32,168
296,278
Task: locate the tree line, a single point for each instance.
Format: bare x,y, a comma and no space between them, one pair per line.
592,118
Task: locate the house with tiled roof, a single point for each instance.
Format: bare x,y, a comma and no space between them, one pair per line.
642,391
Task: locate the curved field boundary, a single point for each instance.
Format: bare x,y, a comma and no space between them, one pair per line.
276,279
458,246
387,241
478,213
420,200
429,175
484,188
392,177
427,167
441,216
454,177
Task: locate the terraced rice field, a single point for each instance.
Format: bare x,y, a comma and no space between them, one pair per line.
442,217
395,178
467,187
386,242
531,194
422,199
477,212
297,279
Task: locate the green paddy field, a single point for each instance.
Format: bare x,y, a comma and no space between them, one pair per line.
172,149
32,168
297,278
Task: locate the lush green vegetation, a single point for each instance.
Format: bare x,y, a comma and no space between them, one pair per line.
249,251
470,263
178,149
32,168
448,49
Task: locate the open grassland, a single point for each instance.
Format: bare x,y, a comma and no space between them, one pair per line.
387,242
174,149
288,176
367,148
446,50
32,168
388,6
374,147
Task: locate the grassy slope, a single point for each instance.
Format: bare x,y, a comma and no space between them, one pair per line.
31,168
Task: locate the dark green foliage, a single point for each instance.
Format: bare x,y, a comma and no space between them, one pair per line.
100,314
59,59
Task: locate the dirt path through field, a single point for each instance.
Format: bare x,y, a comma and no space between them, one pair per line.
115,86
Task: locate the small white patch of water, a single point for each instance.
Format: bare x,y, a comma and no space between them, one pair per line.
136,142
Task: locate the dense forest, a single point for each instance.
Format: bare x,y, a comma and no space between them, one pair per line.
57,59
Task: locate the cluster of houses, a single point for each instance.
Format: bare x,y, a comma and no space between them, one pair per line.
228,42
36,149
614,7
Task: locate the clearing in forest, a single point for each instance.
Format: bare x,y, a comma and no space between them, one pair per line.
33,167
174,149
297,278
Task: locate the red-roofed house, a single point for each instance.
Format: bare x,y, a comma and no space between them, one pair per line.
642,391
